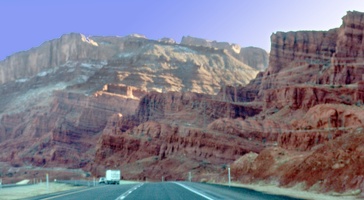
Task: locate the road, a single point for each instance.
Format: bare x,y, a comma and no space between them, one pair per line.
164,190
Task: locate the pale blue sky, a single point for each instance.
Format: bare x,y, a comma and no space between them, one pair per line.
28,23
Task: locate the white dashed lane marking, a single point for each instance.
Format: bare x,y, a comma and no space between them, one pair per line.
194,191
125,194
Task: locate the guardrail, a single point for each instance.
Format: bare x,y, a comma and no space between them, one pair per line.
71,182
79,182
13,185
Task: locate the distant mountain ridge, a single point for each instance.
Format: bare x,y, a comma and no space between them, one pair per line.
76,47
252,56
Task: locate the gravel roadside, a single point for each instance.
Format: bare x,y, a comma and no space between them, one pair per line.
23,192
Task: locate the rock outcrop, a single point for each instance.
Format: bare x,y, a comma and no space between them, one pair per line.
58,99
255,57
156,108
322,123
167,40
307,96
70,126
252,56
49,55
132,60
333,167
300,119
313,86
331,57
189,106
175,128
188,40
145,150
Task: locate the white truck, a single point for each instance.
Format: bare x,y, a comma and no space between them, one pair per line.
112,177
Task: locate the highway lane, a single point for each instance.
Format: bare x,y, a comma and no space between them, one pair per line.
103,192
196,191
166,190
219,192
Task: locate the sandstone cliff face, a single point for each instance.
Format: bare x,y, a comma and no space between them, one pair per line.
178,68
322,123
255,57
175,128
306,97
176,149
59,98
188,40
197,108
348,58
334,166
133,60
70,125
183,109
60,95
299,58
49,55
301,119
313,85
291,49
317,57
167,40
311,58
252,56
350,35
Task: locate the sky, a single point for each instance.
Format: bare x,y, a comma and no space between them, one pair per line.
29,23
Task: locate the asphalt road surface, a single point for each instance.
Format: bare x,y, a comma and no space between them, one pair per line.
164,191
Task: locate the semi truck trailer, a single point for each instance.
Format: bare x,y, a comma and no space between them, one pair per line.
112,177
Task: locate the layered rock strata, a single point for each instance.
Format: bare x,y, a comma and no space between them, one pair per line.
314,86
252,56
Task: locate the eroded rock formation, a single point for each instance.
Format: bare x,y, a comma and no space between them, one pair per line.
134,61
313,85
302,118
148,109
153,145
252,56
58,99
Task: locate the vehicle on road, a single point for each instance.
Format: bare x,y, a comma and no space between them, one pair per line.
102,180
112,177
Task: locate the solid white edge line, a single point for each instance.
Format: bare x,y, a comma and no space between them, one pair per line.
192,190
125,194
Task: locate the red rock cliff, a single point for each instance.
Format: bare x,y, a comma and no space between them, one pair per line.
314,86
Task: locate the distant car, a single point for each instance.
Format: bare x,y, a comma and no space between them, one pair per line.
102,180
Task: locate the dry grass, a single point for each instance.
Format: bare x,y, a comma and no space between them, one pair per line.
33,190
297,192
